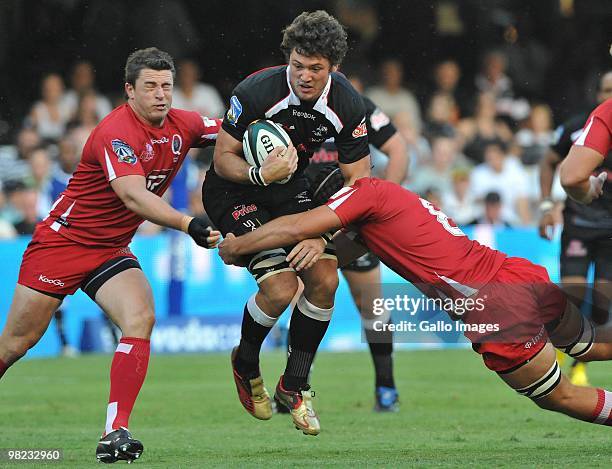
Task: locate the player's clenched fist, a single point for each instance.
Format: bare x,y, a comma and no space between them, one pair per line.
202,234
281,162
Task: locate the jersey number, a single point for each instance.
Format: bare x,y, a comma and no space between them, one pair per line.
442,219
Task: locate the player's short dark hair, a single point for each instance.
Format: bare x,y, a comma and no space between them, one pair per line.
316,33
150,57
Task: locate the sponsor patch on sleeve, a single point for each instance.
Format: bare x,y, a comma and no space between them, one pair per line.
124,152
234,111
361,130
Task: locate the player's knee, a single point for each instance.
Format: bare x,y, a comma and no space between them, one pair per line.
279,297
17,347
322,286
139,322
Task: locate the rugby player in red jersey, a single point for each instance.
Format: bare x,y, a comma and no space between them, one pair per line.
579,171
425,247
127,164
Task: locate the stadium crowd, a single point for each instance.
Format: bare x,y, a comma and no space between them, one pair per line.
475,145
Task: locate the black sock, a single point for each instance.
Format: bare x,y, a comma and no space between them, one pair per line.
305,335
59,325
252,336
381,349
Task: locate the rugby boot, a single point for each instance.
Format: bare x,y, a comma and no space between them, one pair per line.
387,399
118,445
252,393
300,407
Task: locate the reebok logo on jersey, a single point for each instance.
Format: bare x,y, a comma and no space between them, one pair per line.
361,130
56,282
305,115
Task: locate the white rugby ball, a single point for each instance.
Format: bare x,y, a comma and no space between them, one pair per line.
261,137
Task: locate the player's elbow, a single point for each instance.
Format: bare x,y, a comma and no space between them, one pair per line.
569,177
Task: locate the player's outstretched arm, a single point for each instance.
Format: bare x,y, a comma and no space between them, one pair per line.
399,160
280,232
576,174
133,193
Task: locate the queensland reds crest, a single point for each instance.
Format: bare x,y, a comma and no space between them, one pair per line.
177,143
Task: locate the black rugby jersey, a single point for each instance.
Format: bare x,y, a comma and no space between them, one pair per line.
597,214
338,114
380,129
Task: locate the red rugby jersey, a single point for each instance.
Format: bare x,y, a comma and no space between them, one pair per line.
597,132
414,238
89,211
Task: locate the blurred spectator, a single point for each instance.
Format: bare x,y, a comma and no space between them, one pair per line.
82,81
23,202
438,173
447,75
14,161
442,115
7,230
50,115
478,131
85,119
492,77
533,141
432,195
67,160
493,212
535,138
40,165
460,203
505,175
418,146
391,97
193,95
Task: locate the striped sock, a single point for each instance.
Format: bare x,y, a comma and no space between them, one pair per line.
602,412
127,374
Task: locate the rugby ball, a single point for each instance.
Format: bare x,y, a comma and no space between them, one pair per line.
261,137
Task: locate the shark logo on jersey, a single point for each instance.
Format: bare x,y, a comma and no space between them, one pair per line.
320,131
124,152
361,130
234,111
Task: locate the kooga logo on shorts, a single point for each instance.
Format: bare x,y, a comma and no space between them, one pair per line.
55,282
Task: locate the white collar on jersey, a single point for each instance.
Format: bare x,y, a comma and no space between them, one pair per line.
321,104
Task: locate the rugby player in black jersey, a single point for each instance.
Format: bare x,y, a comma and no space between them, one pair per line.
586,239
313,103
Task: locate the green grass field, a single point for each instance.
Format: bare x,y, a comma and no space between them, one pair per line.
454,413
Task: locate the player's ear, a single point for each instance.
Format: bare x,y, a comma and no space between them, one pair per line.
129,90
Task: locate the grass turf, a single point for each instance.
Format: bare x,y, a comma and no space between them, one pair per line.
454,413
